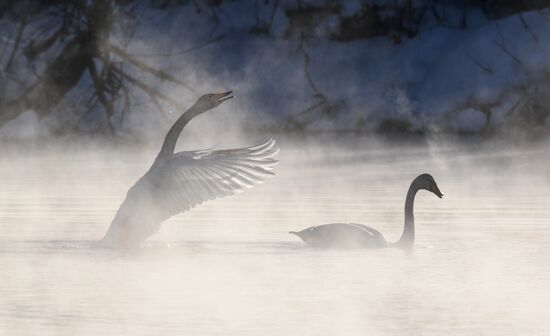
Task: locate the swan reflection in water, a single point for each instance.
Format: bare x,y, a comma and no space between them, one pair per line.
351,235
177,182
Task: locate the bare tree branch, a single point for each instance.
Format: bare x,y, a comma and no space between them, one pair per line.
528,28
35,48
485,68
145,67
503,47
18,37
126,107
272,17
100,92
182,52
149,90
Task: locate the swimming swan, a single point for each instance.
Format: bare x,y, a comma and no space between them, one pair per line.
177,182
359,235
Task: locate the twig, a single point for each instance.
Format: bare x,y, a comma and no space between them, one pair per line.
17,43
33,49
149,90
307,60
5,42
126,107
275,7
311,108
292,119
323,101
91,104
503,47
25,92
99,89
145,67
13,78
507,52
528,28
511,110
485,68
182,52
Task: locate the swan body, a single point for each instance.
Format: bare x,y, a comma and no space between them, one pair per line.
351,235
177,182
348,235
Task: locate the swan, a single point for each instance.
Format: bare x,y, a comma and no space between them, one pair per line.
360,235
177,182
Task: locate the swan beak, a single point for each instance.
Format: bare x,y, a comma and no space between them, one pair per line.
221,97
436,191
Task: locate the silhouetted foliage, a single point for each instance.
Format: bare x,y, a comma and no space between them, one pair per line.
52,46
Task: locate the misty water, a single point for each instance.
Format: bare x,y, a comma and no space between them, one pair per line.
229,267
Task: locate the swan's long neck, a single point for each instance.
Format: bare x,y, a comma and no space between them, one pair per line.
407,238
171,139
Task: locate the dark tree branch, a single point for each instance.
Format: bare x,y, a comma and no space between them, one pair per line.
35,48
276,5
183,52
126,107
307,60
100,92
503,47
485,68
528,28
322,105
145,67
18,38
149,90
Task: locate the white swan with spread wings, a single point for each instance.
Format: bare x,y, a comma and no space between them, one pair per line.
176,182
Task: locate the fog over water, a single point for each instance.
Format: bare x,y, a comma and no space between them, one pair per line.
89,90
229,267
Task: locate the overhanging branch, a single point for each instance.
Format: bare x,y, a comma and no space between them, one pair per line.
145,67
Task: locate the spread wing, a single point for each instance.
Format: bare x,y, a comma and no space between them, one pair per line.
184,180
190,178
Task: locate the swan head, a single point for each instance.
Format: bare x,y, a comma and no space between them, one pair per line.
210,100
427,182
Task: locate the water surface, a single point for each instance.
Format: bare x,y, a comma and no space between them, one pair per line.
228,267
